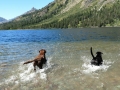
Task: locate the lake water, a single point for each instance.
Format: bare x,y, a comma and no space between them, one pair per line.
68,59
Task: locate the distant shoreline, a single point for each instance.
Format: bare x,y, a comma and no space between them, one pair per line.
63,28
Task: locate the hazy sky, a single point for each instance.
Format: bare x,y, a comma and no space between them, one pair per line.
12,8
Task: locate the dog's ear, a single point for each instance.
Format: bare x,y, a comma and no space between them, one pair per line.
44,51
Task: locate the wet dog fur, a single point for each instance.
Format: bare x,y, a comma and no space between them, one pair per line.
39,60
98,59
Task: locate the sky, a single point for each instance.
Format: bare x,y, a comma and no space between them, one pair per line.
12,8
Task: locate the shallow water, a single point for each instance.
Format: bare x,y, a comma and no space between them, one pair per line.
68,59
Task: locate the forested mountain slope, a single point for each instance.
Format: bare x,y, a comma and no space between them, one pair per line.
70,14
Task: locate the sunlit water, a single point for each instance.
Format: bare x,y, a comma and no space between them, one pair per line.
68,59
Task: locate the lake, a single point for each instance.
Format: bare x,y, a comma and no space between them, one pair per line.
68,59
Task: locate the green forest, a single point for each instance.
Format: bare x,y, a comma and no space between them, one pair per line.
91,17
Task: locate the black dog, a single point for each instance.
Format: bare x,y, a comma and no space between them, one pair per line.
98,59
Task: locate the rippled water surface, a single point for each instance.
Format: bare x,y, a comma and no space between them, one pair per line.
68,59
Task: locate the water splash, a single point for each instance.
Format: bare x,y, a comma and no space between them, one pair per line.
87,68
25,73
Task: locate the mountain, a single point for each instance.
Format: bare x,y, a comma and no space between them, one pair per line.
70,14
31,11
28,12
2,20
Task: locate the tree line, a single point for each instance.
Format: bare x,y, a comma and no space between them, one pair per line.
106,16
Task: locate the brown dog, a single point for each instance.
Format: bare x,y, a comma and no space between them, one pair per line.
39,60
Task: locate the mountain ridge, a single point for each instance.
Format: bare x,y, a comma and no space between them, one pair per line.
31,11
60,13
2,20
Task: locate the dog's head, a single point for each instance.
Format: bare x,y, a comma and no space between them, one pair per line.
99,53
42,51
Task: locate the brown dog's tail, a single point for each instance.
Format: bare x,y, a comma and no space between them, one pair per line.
28,61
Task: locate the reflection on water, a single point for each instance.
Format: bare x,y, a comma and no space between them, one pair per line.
68,54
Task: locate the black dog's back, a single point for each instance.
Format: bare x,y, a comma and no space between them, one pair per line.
96,60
